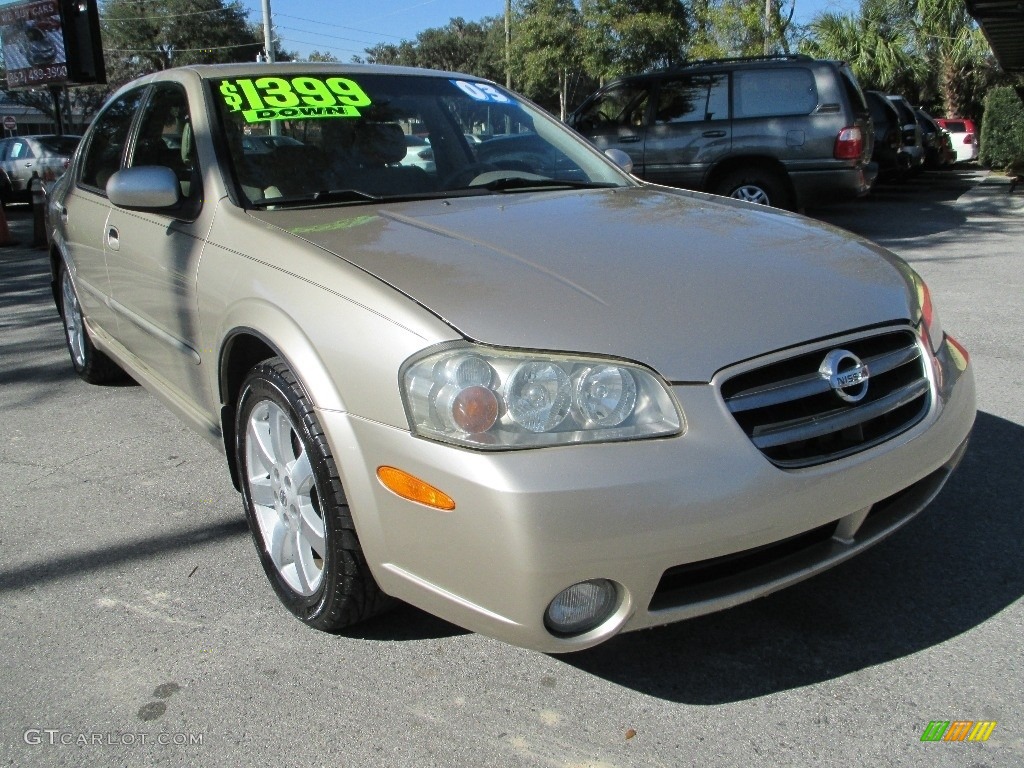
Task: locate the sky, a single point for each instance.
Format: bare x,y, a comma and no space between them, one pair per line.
345,28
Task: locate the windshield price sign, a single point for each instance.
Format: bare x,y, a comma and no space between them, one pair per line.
278,98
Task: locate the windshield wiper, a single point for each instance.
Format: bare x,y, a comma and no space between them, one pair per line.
518,182
323,196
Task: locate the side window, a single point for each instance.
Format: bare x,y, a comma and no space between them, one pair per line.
853,92
107,140
774,92
20,150
166,138
623,105
697,98
4,145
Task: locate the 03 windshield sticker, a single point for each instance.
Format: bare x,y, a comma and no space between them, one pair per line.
482,92
261,99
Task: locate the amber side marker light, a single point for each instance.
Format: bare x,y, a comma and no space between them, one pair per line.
412,488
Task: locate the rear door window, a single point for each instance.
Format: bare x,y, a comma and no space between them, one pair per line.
853,91
693,99
773,92
20,150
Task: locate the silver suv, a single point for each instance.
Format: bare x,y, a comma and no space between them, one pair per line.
777,130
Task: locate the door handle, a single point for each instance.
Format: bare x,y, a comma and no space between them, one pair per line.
113,239
64,214
629,139
713,134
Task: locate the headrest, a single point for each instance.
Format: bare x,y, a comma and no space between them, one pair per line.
380,143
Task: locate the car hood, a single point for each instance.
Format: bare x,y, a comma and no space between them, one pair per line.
681,282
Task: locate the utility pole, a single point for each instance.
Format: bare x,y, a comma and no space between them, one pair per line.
268,44
508,44
767,27
268,33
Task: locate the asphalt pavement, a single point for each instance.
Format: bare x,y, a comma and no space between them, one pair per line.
138,627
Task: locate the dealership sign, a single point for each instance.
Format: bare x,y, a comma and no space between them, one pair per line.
51,42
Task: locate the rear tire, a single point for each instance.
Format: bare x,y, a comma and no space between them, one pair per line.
296,506
755,185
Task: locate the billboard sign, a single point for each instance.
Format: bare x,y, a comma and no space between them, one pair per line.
33,43
51,42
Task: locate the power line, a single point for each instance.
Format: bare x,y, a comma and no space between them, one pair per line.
174,49
106,17
324,34
339,26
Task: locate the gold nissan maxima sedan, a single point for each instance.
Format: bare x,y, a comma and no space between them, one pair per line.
513,386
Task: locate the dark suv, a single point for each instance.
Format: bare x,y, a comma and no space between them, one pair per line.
778,130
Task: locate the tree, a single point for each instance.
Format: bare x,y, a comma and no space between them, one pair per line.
625,36
142,36
928,50
403,54
462,46
952,46
877,43
728,28
546,48
321,56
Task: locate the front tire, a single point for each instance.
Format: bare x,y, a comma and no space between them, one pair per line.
90,364
755,185
296,506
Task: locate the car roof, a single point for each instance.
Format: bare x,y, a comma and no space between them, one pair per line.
727,64
215,71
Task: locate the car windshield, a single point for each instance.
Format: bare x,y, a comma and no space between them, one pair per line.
357,137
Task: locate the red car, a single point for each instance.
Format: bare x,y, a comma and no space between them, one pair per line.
964,136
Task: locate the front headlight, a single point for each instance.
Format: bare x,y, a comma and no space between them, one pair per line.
495,399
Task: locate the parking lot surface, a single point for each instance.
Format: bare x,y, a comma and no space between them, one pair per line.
139,629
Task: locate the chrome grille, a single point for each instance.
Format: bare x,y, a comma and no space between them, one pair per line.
794,417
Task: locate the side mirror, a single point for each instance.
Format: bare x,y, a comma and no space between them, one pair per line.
146,187
620,158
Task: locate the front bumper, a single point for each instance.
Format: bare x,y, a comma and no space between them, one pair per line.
684,526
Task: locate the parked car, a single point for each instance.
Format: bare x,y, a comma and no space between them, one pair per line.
888,136
418,153
264,144
938,149
549,408
778,130
912,152
963,137
22,156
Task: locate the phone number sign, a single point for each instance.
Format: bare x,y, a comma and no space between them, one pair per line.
33,44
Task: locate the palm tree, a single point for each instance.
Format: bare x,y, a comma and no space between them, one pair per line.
877,44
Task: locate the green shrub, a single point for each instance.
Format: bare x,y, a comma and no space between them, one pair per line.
1002,129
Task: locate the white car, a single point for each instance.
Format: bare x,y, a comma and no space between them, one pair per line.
964,136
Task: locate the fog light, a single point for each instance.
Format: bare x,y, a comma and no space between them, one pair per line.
581,607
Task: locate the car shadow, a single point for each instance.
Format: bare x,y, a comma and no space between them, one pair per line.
404,623
930,204
949,570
